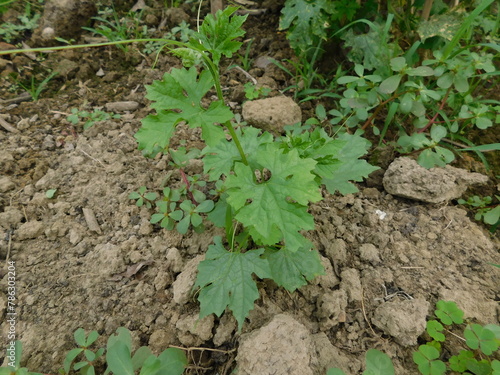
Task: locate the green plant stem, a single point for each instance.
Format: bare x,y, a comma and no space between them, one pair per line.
215,75
378,109
433,119
188,192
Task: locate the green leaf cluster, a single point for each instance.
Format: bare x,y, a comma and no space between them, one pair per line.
306,21
89,118
483,339
261,186
485,211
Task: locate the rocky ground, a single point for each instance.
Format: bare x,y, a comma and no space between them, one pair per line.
88,257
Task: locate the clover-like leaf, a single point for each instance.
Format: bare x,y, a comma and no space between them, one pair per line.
449,313
378,363
434,329
427,361
458,362
478,337
225,280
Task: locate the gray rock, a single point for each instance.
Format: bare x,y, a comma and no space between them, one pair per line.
10,217
331,309
351,283
122,106
224,332
193,331
175,16
174,260
269,349
403,320
67,68
6,184
369,253
49,180
272,114
184,283
30,230
329,279
406,178
162,338
329,356
107,259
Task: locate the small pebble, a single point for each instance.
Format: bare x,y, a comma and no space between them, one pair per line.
122,106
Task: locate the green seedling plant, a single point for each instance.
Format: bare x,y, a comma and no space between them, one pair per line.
261,184
143,197
89,358
35,88
121,361
253,92
245,59
28,21
480,343
119,358
89,118
485,211
377,363
119,29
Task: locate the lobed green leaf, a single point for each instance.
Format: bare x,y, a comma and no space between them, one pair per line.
225,280
292,269
277,207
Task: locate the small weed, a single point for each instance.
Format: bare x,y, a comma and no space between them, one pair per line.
143,197
254,92
484,341
119,29
119,357
90,118
28,21
485,211
35,88
245,60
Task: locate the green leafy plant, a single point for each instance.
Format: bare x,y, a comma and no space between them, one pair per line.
35,88
118,357
485,211
89,358
143,197
90,118
28,21
120,360
253,92
480,339
417,96
377,363
119,29
244,59
262,184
